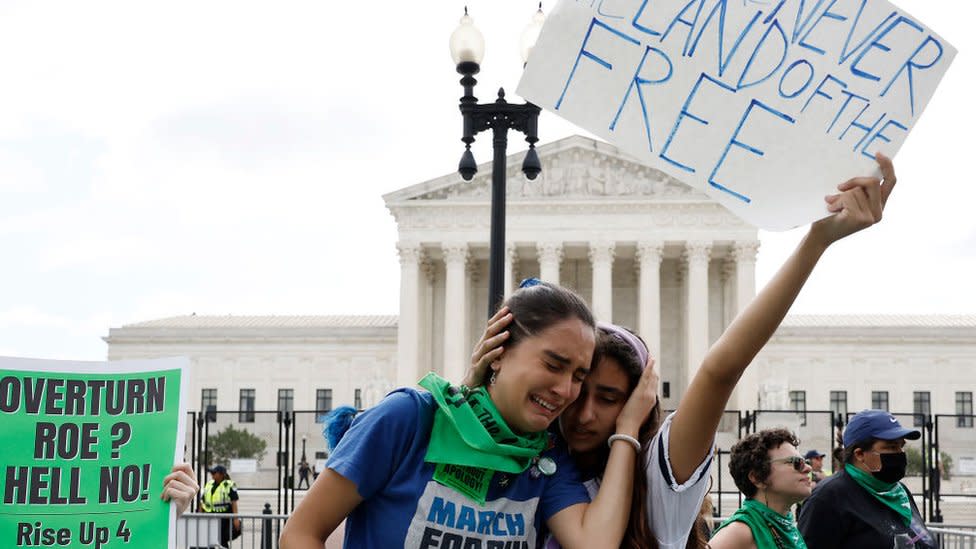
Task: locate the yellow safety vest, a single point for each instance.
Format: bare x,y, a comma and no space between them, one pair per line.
217,501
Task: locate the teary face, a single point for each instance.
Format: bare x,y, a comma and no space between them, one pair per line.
538,378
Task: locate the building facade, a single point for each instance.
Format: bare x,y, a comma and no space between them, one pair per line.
645,250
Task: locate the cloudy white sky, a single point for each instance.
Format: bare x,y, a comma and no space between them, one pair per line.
217,157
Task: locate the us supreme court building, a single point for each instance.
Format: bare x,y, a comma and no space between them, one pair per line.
645,250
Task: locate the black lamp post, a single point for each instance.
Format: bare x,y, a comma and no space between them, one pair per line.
304,438
467,51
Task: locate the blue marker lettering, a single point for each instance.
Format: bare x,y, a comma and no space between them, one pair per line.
845,52
686,113
850,96
762,41
856,123
819,91
773,13
736,143
876,44
690,24
827,14
599,10
788,71
880,135
909,65
720,8
797,26
723,60
637,82
584,53
640,27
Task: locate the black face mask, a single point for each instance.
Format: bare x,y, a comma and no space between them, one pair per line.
893,467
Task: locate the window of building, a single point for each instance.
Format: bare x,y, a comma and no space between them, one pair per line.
922,407
964,409
208,403
246,408
323,403
798,403
286,400
838,403
879,400
358,399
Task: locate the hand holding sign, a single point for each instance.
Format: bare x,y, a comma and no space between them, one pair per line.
84,443
180,487
859,205
764,106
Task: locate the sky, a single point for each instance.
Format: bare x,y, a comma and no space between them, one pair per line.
217,157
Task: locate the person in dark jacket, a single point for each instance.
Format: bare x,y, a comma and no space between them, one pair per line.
864,505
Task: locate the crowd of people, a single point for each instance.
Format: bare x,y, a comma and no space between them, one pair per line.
556,439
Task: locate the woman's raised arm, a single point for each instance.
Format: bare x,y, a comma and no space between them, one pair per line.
858,205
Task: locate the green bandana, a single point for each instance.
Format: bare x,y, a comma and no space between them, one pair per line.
470,440
893,495
770,530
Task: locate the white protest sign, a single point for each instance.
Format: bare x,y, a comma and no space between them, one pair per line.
765,105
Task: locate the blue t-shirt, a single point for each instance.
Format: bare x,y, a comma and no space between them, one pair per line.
383,454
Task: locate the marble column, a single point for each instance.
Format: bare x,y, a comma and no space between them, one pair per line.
601,258
550,256
744,254
408,336
456,352
746,395
649,294
696,255
728,291
511,264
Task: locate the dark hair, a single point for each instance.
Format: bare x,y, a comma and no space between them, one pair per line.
751,455
638,534
538,307
848,451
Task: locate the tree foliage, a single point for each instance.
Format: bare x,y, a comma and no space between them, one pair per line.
232,443
915,462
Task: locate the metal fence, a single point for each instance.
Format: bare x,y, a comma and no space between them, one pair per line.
202,530
278,443
954,537
944,484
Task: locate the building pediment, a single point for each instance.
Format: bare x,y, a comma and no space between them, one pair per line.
574,168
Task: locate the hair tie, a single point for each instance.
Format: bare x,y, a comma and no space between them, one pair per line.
529,282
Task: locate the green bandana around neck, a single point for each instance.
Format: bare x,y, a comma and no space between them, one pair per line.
892,494
470,440
770,530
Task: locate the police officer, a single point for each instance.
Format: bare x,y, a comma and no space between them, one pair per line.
220,496
816,459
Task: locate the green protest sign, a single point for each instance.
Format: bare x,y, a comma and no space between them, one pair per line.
85,449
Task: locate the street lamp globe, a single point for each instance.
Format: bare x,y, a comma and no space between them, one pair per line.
531,33
467,51
467,43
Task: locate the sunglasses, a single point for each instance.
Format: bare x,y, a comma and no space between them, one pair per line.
798,463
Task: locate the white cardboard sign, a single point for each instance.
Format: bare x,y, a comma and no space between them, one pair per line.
765,105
